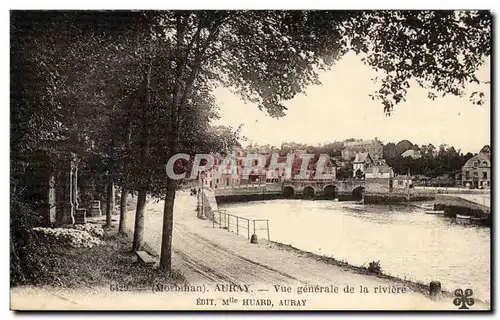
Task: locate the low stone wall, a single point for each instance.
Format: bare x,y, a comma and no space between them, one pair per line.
377,185
384,198
248,197
248,190
248,193
453,205
374,198
451,190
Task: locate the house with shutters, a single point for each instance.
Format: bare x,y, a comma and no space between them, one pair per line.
476,172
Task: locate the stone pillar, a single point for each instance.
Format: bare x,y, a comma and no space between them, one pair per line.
435,289
52,200
74,185
65,193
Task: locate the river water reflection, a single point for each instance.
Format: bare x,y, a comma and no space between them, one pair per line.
409,243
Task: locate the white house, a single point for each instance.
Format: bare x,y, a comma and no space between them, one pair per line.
362,161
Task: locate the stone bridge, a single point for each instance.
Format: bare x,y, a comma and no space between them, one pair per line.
336,189
299,189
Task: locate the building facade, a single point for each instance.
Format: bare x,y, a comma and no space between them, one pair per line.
374,147
402,182
476,172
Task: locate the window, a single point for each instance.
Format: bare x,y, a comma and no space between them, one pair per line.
400,182
227,182
485,163
485,175
467,175
475,164
475,174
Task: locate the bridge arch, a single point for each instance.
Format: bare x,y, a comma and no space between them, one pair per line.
358,192
330,192
288,192
308,192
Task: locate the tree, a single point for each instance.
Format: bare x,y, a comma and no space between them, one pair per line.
345,172
360,174
403,146
390,151
431,150
268,57
440,50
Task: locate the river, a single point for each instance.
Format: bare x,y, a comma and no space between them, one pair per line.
408,243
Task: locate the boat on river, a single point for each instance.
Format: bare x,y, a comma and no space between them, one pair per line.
434,211
426,206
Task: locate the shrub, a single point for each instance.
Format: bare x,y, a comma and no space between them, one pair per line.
26,261
374,267
66,237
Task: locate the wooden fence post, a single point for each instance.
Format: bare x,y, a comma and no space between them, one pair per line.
268,237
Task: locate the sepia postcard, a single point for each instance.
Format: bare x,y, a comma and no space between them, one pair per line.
270,160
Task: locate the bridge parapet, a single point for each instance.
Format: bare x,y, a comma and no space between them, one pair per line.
342,186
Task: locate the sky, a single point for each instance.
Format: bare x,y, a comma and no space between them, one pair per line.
340,108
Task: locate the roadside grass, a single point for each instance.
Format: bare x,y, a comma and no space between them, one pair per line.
111,264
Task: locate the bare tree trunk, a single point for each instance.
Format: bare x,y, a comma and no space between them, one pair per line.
178,100
122,226
109,202
145,133
168,222
139,221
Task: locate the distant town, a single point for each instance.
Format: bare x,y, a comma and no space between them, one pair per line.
405,164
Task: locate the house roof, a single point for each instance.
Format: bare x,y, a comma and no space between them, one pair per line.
361,157
411,153
481,157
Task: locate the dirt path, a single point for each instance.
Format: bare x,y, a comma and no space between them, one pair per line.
201,259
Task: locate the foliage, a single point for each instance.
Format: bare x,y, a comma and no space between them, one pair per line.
345,172
360,174
374,267
110,264
440,50
25,262
429,166
134,87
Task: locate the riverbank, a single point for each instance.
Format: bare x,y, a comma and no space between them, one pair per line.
409,243
216,260
208,255
416,286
